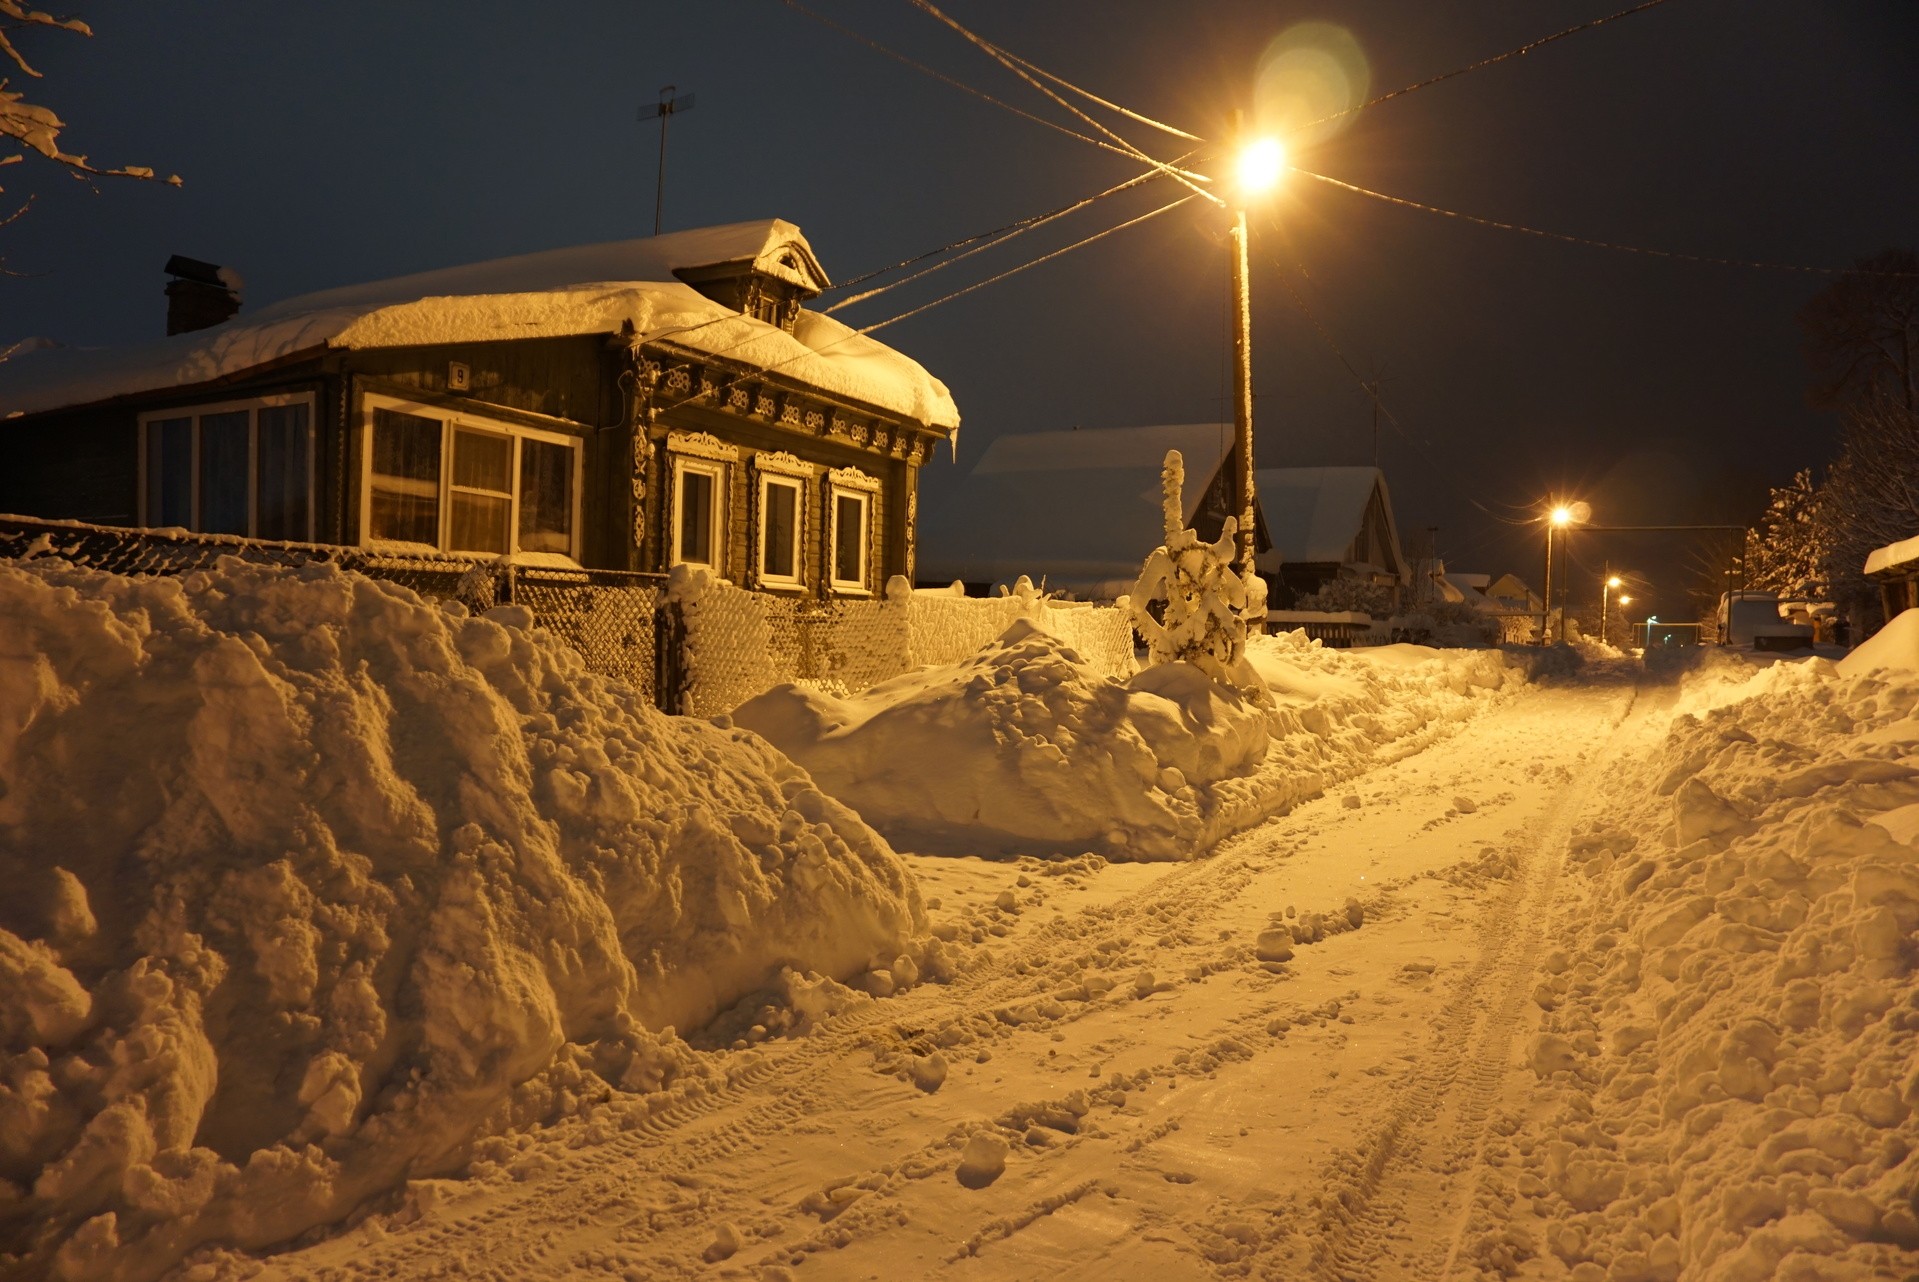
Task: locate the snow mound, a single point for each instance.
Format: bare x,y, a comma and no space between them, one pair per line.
309,882
1731,1046
1021,748
1894,646
1025,749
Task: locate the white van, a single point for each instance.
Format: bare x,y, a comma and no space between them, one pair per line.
1754,619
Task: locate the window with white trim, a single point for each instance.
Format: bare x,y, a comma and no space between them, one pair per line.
782,509
699,508
852,510
461,483
240,467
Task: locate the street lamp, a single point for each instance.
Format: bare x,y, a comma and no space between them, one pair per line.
1558,517
1612,581
1260,164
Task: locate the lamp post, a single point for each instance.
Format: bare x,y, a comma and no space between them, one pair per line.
1557,519
1261,162
1612,581
1624,601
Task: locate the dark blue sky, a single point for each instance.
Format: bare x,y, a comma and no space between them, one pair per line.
325,144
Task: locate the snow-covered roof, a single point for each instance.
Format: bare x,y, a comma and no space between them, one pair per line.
1314,513
588,289
1080,507
1893,555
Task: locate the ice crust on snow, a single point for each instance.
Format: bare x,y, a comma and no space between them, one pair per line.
589,289
1730,1064
308,882
1024,748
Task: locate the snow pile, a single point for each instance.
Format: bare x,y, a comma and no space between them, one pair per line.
1025,748
1730,1049
308,882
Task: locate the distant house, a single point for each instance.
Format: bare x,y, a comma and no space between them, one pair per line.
626,406
1329,523
1079,509
1510,595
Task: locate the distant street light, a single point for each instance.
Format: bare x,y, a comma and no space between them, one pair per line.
1558,517
1612,581
1261,163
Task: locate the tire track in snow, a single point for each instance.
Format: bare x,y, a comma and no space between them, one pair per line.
1415,1167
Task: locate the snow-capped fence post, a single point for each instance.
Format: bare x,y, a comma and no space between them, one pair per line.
1205,602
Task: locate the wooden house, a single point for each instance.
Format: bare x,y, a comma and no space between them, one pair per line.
1329,523
1076,511
627,406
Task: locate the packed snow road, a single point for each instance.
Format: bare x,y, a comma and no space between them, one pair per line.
1284,1060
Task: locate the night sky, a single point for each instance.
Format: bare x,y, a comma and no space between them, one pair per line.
326,144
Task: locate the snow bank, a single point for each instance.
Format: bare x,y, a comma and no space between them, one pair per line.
1894,646
308,882
1730,1050
1025,748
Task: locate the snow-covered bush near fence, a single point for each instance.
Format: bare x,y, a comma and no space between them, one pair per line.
1191,605
1025,748
308,882
1730,1058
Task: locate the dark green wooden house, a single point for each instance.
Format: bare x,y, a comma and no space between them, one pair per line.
627,406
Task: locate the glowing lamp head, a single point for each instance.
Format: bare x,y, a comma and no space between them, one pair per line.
1616,582
1261,162
1625,600
1562,516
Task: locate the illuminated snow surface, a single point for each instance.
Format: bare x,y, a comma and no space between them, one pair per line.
1609,976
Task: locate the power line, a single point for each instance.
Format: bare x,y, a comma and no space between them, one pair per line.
1130,114
1492,61
1591,243
1013,65
993,238
1127,151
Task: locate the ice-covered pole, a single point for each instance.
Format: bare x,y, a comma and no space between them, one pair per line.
1242,396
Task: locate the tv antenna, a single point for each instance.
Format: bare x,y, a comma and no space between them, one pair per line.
667,106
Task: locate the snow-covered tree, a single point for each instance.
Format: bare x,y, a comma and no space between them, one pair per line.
1870,499
1190,603
1862,332
29,128
1785,552
1349,594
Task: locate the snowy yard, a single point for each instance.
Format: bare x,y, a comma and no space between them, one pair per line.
1600,977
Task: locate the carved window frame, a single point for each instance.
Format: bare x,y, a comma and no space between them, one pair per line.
770,469
851,485
700,454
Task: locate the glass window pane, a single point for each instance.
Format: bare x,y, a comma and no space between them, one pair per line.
546,497
849,539
779,513
225,478
480,523
482,461
170,472
285,456
696,517
405,505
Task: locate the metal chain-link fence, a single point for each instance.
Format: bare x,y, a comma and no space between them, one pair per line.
610,617
703,657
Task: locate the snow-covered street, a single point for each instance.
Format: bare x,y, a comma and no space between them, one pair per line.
1172,1106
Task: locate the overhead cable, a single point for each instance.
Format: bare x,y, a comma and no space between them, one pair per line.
1589,242
1130,114
1006,60
1488,62
992,238
954,82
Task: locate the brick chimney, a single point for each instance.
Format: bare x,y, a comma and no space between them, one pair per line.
200,294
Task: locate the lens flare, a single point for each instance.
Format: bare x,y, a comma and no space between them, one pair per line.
1307,76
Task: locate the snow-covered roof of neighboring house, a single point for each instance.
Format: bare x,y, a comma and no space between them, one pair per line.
1080,507
588,289
1314,513
1893,556
1461,589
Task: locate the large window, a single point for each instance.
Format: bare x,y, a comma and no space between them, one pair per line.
699,508
458,483
243,467
781,503
849,496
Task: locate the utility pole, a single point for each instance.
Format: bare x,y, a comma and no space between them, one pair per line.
668,105
1243,393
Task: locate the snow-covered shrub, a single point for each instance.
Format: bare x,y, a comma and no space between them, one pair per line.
1203,603
1348,594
